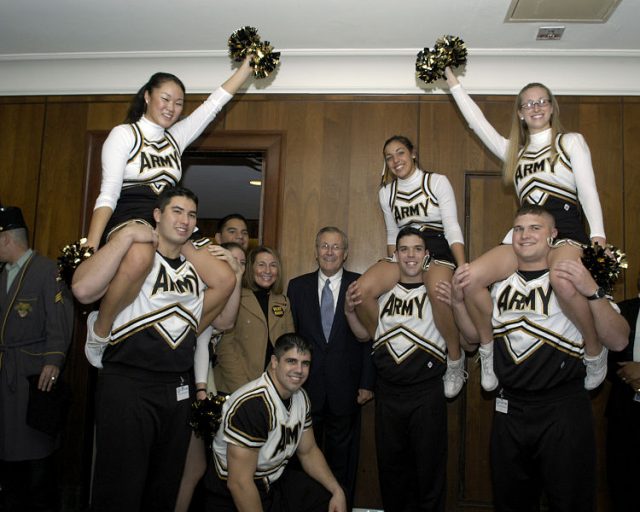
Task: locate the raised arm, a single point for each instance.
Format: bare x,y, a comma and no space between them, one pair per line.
476,120
239,77
188,129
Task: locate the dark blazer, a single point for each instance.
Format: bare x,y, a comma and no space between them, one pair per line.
621,402
343,365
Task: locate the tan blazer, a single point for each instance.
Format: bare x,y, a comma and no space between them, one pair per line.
242,350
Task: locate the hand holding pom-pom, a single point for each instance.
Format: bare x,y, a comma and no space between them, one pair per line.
604,263
246,41
449,51
206,416
70,258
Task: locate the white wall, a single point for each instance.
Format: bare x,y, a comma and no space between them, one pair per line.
343,71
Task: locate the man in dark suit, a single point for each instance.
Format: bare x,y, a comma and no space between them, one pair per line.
623,413
342,373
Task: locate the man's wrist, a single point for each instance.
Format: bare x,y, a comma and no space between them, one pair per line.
600,293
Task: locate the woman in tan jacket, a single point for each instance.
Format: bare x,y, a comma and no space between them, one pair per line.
264,315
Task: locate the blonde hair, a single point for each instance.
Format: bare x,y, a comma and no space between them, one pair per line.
519,136
387,175
247,278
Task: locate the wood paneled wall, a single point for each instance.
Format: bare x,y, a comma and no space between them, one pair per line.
330,166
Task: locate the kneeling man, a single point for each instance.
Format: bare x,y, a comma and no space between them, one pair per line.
263,424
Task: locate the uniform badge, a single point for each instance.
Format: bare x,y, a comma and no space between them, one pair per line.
23,309
277,310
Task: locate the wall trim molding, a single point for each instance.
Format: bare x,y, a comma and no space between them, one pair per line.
325,71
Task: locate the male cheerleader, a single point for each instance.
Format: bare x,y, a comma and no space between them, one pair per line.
143,393
263,424
543,435
410,358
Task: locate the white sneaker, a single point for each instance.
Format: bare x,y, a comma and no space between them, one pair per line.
596,369
488,379
95,346
455,376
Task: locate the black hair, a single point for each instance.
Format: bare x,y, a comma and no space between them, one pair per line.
387,175
223,221
408,231
170,192
138,104
288,341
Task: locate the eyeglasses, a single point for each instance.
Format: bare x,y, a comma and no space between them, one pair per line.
531,104
333,247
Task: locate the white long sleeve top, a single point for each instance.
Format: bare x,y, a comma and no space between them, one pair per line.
572,174
422,199
121,162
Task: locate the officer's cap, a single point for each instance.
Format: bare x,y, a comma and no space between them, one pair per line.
11,218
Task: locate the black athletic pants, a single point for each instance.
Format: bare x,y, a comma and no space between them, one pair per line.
294,491
411,445
544,443
142,435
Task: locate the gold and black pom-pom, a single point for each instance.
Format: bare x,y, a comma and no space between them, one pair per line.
241,41
428,67
206,416
70,258
246,41
452,50
605,268
448,51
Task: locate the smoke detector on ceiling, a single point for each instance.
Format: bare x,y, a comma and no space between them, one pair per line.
549,33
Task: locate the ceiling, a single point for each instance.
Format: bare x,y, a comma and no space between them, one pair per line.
98,26
48,34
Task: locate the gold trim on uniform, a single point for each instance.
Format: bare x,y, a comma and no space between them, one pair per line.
417,342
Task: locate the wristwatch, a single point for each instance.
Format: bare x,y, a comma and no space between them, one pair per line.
599,294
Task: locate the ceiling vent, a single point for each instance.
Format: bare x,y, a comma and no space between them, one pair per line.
550,33
580,11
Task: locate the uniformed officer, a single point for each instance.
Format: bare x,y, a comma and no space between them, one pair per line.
36,313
